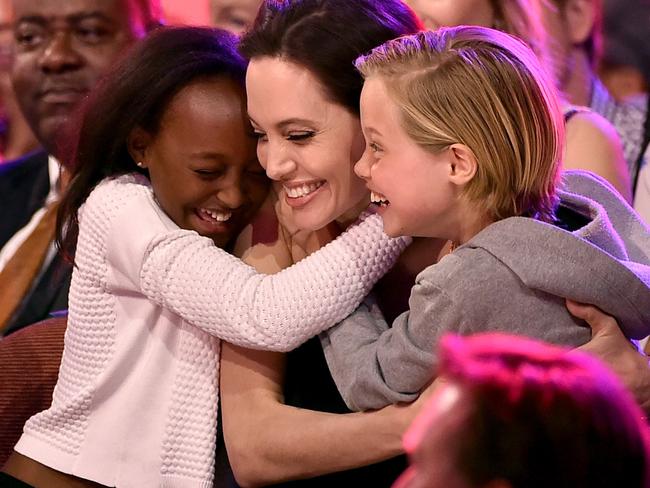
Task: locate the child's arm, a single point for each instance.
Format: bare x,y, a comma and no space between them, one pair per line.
215,291
374,365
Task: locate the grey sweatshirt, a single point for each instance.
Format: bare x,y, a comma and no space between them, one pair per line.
512,277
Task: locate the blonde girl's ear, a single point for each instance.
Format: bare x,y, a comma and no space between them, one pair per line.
462,164
137,144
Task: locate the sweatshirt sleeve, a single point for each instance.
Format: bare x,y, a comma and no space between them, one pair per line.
374,364
215,291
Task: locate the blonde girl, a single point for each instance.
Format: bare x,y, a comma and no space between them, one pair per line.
592,142
464,142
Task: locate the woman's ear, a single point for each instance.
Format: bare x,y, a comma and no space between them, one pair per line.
462,164
137,143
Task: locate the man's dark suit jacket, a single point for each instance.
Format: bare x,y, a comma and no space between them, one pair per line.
24,185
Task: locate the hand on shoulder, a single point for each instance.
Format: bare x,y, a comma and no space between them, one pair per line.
610,345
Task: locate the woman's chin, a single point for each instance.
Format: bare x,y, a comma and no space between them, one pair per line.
312,225
312,221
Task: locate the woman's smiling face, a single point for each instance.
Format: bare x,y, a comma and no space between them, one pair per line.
307,143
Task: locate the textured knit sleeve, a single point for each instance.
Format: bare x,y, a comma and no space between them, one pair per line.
213,290
374,365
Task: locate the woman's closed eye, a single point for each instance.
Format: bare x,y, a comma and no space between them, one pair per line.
300,135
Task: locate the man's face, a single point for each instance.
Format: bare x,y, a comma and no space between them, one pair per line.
62,47
432,441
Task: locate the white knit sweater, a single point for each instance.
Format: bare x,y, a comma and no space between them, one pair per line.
136,400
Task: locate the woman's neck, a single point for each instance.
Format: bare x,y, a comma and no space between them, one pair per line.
304,242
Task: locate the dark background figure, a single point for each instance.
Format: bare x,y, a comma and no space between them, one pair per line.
515,413
625,64
16,137
62,48
625,69
576,39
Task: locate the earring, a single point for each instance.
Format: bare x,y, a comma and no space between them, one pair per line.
140,164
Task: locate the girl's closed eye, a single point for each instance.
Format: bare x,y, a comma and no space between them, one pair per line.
374,147
260,136
209,172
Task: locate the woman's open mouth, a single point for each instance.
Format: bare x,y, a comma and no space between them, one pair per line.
299,195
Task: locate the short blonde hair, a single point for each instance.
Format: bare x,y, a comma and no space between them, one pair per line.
484,89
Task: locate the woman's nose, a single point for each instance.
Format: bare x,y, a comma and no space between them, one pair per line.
278,161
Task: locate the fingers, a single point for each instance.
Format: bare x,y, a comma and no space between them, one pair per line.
599,322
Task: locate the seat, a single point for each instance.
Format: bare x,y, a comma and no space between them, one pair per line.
29,368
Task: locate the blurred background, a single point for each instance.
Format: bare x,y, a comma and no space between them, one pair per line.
187,11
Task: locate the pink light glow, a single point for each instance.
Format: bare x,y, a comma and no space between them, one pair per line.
193,12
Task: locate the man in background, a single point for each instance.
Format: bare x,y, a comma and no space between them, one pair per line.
61,49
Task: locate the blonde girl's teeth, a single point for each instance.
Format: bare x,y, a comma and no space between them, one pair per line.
378,198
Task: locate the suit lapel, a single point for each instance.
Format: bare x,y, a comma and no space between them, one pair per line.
24,185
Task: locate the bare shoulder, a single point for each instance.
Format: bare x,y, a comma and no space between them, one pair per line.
594,145
588,127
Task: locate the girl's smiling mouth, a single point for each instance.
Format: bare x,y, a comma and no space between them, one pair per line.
379,199
214,215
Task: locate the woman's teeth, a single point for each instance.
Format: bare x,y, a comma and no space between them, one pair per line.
218,215
378,198
302,190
